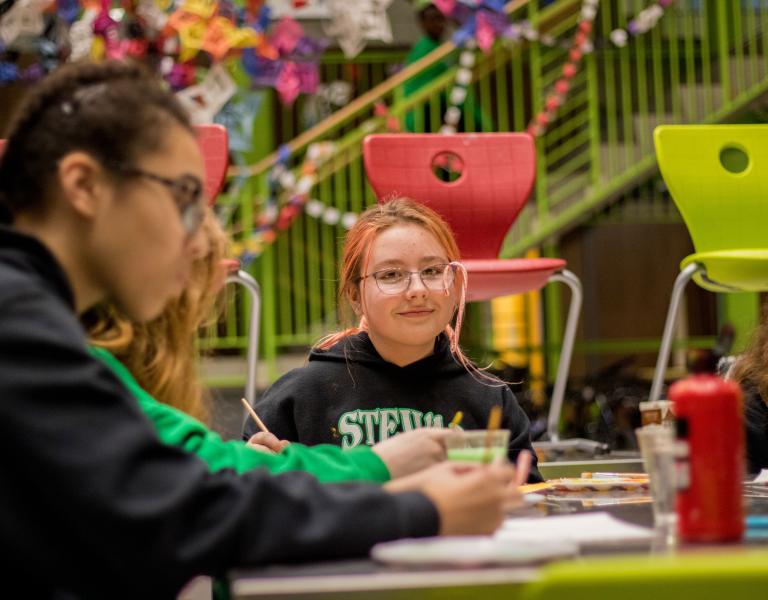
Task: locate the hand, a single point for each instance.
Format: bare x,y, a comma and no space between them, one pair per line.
267,442
470,498
412,451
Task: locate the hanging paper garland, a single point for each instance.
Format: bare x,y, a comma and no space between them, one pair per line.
284,183
391,122
459,89
642,23
355,22
581,45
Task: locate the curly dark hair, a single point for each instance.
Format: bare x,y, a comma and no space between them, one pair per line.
115,111
751,367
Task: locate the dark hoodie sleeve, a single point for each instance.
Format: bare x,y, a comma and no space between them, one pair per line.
93,501
275,407
519,426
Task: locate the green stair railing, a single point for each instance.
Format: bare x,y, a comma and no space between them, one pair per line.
704,61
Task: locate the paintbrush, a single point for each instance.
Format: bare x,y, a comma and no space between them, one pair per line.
494,423
256,418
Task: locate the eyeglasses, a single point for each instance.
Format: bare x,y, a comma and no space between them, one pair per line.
187,191
437,278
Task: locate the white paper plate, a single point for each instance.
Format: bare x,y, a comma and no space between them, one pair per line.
468,551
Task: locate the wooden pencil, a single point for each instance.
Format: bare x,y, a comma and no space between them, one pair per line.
256,418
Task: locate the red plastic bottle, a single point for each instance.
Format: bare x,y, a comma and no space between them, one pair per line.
709,421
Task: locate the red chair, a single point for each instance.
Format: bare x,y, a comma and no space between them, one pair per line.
214,145
496,172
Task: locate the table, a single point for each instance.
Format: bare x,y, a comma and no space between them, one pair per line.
364,579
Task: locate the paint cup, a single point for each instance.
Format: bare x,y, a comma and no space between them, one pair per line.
477,445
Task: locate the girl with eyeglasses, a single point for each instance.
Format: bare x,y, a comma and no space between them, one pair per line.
401,367
100,186
156,362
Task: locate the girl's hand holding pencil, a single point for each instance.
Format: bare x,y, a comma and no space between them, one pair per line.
264,441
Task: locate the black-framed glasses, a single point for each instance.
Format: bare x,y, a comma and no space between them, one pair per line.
187,191
394,280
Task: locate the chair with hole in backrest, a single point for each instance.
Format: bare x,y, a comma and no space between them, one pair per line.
213,142
496,172
718,178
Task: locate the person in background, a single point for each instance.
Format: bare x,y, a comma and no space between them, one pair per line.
157,362
101,189
433,24
401,367
750,372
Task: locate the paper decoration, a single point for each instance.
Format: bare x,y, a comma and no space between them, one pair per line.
238,116
24,19
380,109
354,23
580,45
204,100
289,63
642,23
480,20
295,187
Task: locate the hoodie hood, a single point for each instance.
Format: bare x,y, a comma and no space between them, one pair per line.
359,349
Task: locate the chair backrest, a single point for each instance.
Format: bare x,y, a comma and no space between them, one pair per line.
497,171
214,145
718,178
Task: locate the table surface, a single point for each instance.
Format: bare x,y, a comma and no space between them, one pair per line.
365,579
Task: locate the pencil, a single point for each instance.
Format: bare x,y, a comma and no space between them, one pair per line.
252,412
494,422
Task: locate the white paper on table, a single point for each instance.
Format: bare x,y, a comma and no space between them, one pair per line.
762,477
583,528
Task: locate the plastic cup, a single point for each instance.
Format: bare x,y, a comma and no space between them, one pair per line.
656,413
657,447
477,445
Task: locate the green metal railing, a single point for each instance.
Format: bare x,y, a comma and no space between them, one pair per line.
703,62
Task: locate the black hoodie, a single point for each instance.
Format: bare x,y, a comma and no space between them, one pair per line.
348,395
92,504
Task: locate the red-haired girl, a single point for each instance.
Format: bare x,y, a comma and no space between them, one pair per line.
401,367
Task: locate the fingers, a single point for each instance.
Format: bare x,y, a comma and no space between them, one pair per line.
523,467
437,433
261,448
268,440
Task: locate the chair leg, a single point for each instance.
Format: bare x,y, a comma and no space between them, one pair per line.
669,328
561,379
252,287
569,338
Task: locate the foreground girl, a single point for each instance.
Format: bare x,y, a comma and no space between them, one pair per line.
102,193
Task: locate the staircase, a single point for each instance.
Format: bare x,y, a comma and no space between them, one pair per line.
705,61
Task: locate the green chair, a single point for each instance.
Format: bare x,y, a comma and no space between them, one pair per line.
718,177
739,573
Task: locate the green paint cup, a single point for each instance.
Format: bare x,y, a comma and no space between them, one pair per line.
470,446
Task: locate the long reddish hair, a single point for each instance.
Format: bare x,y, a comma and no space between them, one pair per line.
356,256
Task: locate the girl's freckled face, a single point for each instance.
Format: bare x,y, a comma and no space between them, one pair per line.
410,320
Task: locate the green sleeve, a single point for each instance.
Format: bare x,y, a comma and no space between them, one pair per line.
175,428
